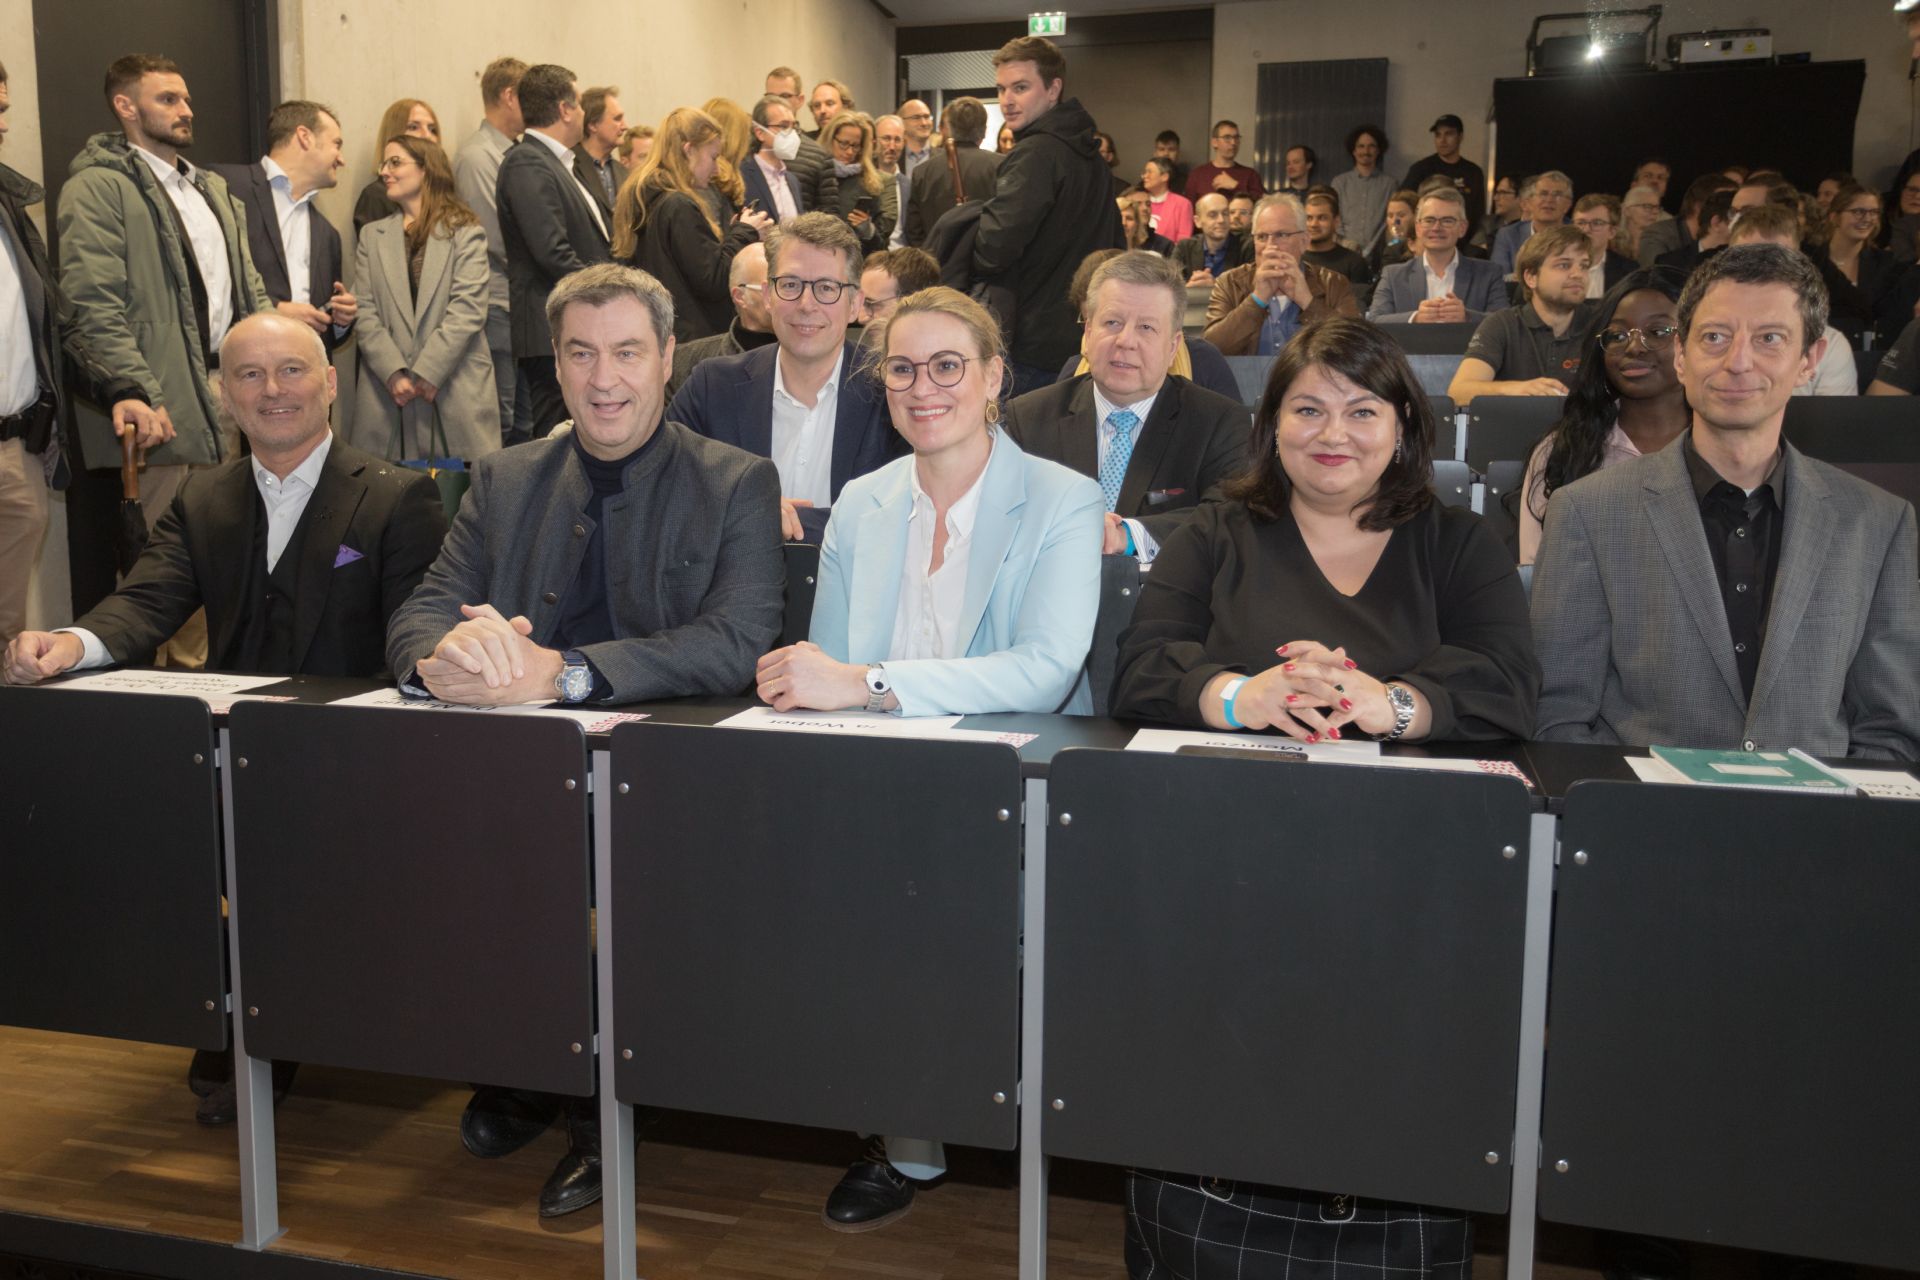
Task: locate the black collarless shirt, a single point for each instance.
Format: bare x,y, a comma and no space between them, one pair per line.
1744,532
585,616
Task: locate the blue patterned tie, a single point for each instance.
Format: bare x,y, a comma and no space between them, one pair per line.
1113,467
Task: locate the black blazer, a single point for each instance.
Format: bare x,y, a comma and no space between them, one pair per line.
730,399
1618,267
931,188
249,185
1192,441
760,195
200,554
589,175
548,230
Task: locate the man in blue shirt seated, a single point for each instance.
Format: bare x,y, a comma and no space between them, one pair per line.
1258,307
1214,246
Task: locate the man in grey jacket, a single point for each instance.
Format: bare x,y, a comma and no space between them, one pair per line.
1729,591
476,168
155,265
625,559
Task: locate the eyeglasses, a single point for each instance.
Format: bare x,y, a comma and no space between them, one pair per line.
1865,211
1438,224
1275,237
1552,195
1660,335
1503,191
394,162
825,292
872,306
944,369
1593,224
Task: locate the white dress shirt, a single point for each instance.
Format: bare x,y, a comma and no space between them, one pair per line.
783,209
565,156
19,380
296,230
927,622
285,501
1144,547
204,236
803,437
1597,278
1439,286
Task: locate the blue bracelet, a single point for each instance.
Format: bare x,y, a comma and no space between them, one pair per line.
1226,702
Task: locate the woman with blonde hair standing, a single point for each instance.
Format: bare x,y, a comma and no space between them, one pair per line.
664,224
869,203
409,116
736,141
426,373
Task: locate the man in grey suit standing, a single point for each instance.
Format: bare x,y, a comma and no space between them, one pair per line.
626,559
1728,591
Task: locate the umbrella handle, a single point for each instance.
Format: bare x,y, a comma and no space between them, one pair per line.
129,468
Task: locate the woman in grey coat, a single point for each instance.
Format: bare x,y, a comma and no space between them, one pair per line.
422,279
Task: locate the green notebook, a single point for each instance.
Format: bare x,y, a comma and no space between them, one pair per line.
1789,770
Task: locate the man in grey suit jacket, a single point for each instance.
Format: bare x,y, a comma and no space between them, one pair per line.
1439,284
623,560
550,226
1729,591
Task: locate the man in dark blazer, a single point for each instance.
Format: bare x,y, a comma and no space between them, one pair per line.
296,250
932,189
1158,444
1728,591
774,400
772,180
551,226
624,559
300,552
594,163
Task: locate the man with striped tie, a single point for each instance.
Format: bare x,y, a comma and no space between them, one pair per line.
1158,444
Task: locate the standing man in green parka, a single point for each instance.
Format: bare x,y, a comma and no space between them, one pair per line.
154,264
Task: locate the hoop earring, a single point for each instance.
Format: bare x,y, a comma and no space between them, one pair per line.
993,413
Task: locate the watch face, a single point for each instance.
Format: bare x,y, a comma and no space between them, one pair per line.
877,681
575,683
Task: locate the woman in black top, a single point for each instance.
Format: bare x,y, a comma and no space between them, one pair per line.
413,118
1860,277
664,224
1331,593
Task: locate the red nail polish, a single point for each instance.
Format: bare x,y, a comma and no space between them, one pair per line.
1313,737
1287,667
1293,697
1352,665
1346,705
1281,649
1334,734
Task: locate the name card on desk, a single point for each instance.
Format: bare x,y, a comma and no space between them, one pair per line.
867,724
593,721
1366,753
218,691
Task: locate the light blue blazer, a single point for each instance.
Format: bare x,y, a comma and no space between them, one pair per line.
1033,587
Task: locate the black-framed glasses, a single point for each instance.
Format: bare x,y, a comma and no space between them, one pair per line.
1864,211
944,369
1660,335
825,292
1443,224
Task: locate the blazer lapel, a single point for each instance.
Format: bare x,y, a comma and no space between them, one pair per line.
874,586
319,275
756,431
433,268
262,206
1081,447
230,521
1809,533
1155,438
1003,493
1674,515
390,252
852,410
329,511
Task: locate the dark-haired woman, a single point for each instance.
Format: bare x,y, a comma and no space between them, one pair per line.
1332,593
1626,401
422,278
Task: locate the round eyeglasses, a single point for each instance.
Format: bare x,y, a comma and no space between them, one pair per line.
944,369
1660,335
825,292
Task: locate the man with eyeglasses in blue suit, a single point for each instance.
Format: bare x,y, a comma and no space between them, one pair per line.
804,401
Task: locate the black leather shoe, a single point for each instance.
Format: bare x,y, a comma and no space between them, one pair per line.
222,1105
575,1181
209,1069
872,1194
500,1121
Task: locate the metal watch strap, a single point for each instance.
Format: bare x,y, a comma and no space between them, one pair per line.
877,689
1401,699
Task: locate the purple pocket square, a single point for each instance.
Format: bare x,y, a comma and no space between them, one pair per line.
346,555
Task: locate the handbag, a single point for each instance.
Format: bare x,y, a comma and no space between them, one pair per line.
449,474
1197,1228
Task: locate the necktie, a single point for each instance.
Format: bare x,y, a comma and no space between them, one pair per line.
1113,467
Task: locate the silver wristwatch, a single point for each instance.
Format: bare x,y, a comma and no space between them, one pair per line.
1401,699
878,687
575,680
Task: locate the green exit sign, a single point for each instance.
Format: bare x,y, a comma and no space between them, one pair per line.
1047,24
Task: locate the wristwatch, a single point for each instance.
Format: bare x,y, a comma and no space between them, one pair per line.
1400,698
575,680
878,687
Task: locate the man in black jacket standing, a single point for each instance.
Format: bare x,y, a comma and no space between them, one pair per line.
1052,206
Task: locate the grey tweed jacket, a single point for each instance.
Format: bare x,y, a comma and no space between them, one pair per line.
1632,635
695,572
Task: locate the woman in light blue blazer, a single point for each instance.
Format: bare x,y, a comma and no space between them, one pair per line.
962,579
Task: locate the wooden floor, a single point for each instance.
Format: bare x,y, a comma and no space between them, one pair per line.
372,1172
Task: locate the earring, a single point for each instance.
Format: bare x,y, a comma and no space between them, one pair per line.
993,413
1400,449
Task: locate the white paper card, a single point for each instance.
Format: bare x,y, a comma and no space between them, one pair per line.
871,724
593,720
1649,769
198,684
1888,784
1169,740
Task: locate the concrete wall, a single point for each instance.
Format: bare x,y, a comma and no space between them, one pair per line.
359,55
1446,60
1136,90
